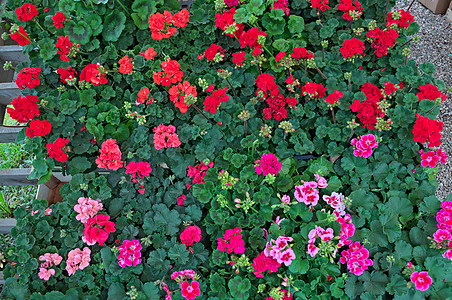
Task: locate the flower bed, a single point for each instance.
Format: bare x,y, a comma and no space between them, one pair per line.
257,150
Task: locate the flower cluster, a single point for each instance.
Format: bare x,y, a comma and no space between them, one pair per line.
213,54
55,151
368,110
253,39
322,5
165,137
28,78
225,21
442,238
20,36
284,294
38,128
170,74
363,145
280,250
351,9
77,260
198,172
382,40
141,169
183,95
97,229
426,129
26,12
268,164
352,49
67,74
24,108
58,20
94,73
318,232
232,241
313,90
430,92
431,158
356,258
49,260
347,230
281,4
212,102
160,25
308,192
129,253
333,98
336,201
125,65
190,234
264,263
149,53
110,156
299,53
87,208
401,18
66,47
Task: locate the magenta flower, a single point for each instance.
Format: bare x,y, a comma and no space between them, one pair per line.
129,253
190,291
268,164
363,145
421,280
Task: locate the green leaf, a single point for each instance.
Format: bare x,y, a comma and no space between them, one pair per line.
47,48
43,230
95,22
141,11
397,285
166,219
114,24
79,32
14,290
179,253
239,288
116,291
241,15
296,24
403,250
375,283
274,27
79,164
299,266
157,259
256,7
151,291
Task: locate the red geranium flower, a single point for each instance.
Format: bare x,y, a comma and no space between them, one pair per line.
94,74
58,20
54,149
159,25
179,92
26,12
190,234
38,128
64,45
24,109
180,19
125,65
20,36
98,228
110,156
238,58
280,56
352,48
382,40
28,78
430,92
214,52
170,74
401,18
226,19
212,102
320,4
66,74
149,54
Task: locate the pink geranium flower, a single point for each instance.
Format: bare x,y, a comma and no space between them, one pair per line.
190,291
268,164
421,280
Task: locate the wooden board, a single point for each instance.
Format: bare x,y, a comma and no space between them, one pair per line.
2,281
7,224
8,134
8,91
13,53
10,177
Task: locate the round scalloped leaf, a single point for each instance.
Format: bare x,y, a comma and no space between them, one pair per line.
96,23
79,33
114,24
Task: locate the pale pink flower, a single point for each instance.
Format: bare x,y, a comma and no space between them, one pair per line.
45,274
286,257
87,208
77,259
34,212
321,181
48,211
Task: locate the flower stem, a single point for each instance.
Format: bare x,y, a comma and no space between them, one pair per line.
197,109
235,93
119,2
332,112
349,85
268,51
320,72
37,23
431,109
386,8
245,126
323,54
351,135
406,42
29,38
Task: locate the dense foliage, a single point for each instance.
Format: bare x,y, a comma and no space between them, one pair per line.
229,145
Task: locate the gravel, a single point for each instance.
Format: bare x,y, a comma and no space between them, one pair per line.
435,46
